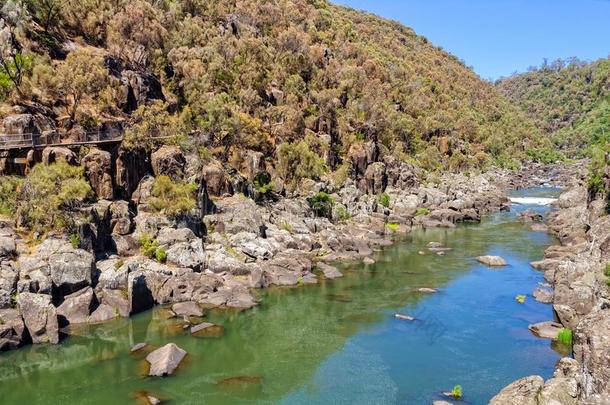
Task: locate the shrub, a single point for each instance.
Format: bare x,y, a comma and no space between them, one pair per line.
342,213
9,188
321,204
421,212
287,226
607,270
565,337
150,248
393,227
297,161
75,240
263,183
172,197
50,197
456,392
161,255
384,200
545,155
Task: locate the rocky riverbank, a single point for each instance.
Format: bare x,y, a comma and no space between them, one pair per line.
575,269
232,244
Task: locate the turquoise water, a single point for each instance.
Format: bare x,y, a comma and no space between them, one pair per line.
333,343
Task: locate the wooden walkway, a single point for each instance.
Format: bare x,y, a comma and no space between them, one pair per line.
11,142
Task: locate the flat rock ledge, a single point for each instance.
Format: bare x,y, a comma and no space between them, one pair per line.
165,360
492,261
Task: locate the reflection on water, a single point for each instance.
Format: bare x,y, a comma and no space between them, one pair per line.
336,342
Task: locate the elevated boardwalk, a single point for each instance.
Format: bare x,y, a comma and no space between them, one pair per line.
25,142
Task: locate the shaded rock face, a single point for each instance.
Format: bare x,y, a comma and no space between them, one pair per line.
522,392
52,154
375,178
165,360
121,218
592,350
130,168
216,179
139,88
168,161
98,170
8,283
40,317
76,307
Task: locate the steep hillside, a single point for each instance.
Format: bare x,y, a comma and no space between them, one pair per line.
568,100
286,78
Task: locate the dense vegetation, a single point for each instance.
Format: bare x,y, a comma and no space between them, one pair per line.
568,100
293,79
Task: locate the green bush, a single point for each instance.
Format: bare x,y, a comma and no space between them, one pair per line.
150,248
263,183
456,392
384,200
393,227
9,189
545,155
321,204
296,161
50,197
565,337
75,240
161,255
421,212
172,197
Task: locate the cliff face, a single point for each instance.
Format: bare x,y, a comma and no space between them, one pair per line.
228,77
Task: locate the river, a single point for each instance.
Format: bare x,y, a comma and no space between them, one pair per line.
337,342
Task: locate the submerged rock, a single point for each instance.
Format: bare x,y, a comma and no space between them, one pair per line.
330,272
427,290
165,360
404,317
543,295
187,309
492,261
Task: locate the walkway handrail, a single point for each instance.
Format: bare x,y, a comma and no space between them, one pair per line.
41,140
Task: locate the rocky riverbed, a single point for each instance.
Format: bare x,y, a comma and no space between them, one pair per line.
230,246
580,296
236,242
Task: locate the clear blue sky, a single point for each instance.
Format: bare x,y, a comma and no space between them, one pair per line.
498,37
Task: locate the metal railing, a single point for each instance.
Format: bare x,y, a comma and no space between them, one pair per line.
35,141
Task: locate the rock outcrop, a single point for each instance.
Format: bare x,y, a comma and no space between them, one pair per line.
40,317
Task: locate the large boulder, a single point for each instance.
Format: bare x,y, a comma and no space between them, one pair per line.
236,214
12,329
98,169
521,392
40,317
165,360
492,261
168,161
76,307
56,263
183,248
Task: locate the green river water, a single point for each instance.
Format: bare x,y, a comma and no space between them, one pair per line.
332,343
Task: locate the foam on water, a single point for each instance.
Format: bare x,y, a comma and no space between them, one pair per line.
532,200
